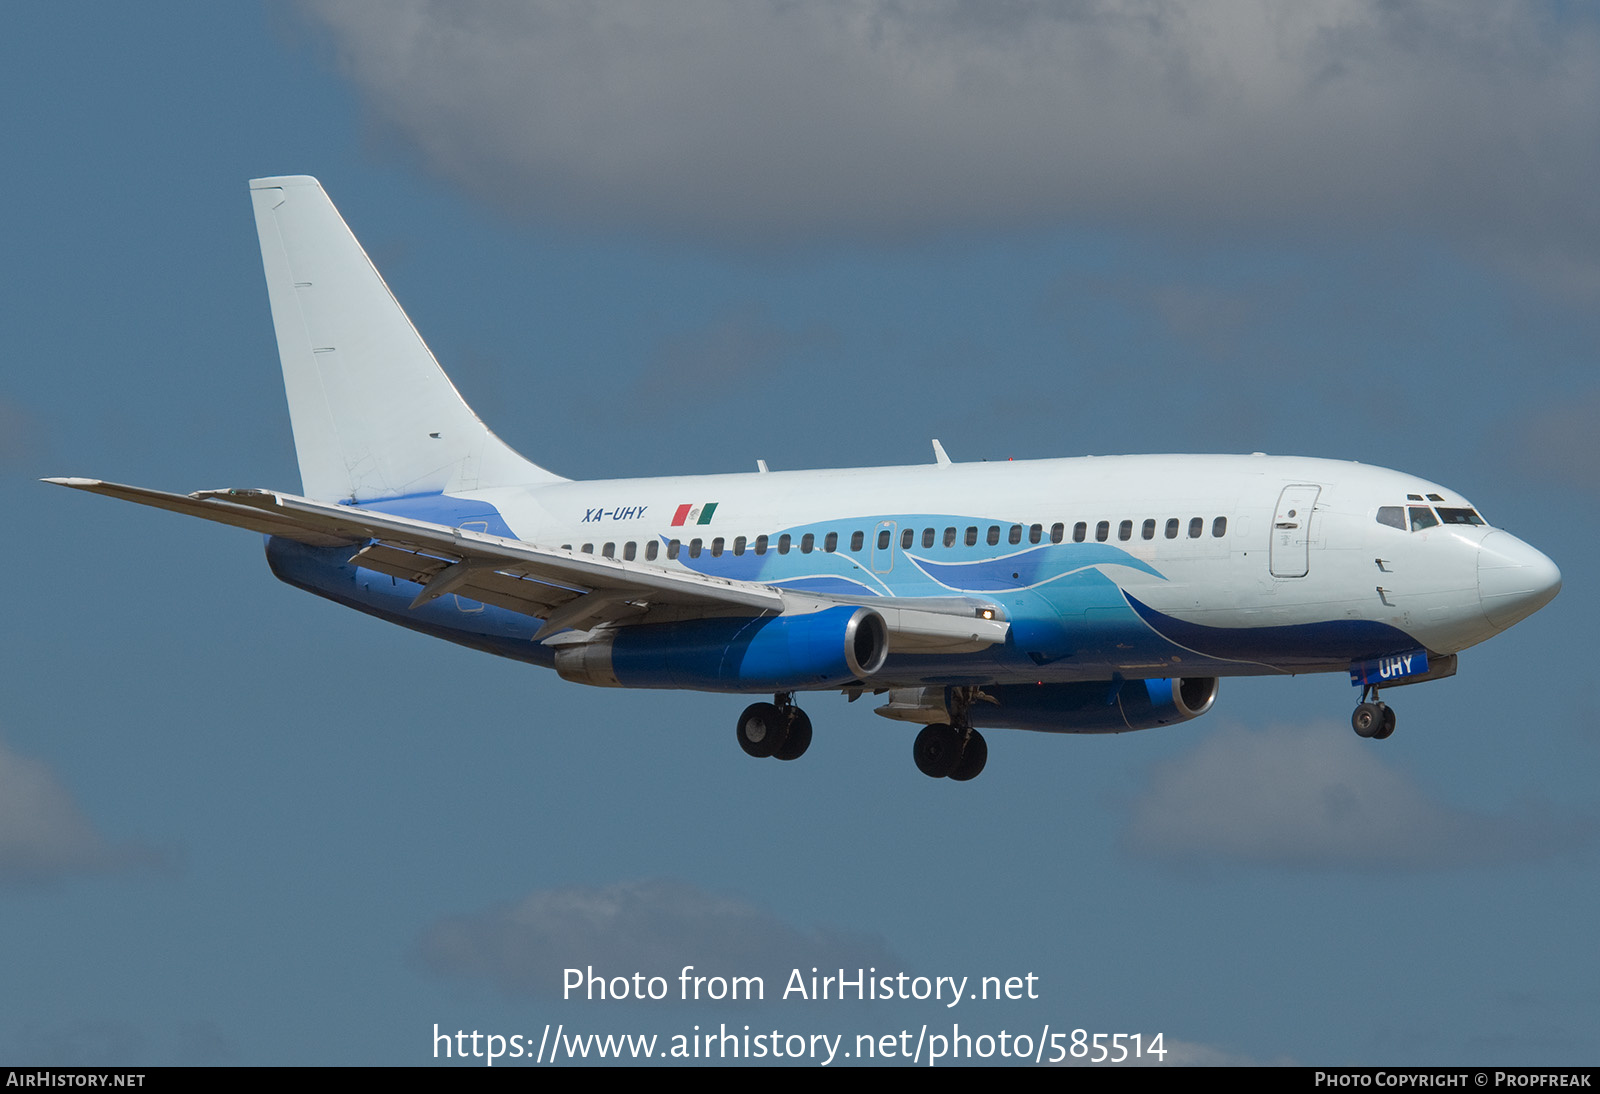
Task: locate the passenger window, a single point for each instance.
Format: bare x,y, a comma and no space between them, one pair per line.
1422,517
738,546
761,545
1125,530
856,540
716,547
927,537
907,537
1172,528
1058,532
651,550
1016,533
1080,532
783,544
830,542
1149,530
588,548
673,546
972,535
1196,526
630,551
1219,527
807,542
949,537
566,546
1035,533
694,548
1102,531
883,540
994,535
609,550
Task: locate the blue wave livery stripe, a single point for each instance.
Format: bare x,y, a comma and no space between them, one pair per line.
1285,645
1028,568
960,566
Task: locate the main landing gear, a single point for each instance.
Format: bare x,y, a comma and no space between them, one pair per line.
778,728
1372,719
955,751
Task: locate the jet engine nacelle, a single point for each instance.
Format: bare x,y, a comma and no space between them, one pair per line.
1097,706
764,653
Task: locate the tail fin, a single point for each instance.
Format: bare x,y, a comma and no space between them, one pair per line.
374,416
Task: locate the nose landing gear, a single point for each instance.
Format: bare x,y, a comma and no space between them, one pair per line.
1372,719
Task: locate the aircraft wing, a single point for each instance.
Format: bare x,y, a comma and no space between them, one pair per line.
565,589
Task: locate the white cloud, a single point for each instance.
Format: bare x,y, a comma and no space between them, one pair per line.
652,927
44,836
769,119
1176,1054
1194,1054
1321,798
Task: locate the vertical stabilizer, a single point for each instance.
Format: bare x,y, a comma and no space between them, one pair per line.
374,416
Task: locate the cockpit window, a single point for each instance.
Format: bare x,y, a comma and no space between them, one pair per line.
1460,516
1392,515
1422,517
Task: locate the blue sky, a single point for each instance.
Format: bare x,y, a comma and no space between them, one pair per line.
239,824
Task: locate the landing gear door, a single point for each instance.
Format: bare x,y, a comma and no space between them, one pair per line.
1291,531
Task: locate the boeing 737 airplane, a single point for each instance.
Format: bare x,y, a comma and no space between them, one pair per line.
1087,595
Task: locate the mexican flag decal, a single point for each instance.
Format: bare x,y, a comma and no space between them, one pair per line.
694,514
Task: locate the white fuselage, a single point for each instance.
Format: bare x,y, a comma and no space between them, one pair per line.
1261,558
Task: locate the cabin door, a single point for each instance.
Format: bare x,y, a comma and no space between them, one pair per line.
1291,531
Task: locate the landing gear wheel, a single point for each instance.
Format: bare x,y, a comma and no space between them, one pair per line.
762,729
1368,719
799,739
973,757
1387,728
937,750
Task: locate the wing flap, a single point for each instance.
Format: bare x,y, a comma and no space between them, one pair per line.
483,583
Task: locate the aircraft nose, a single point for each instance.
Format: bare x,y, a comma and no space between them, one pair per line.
1514,580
